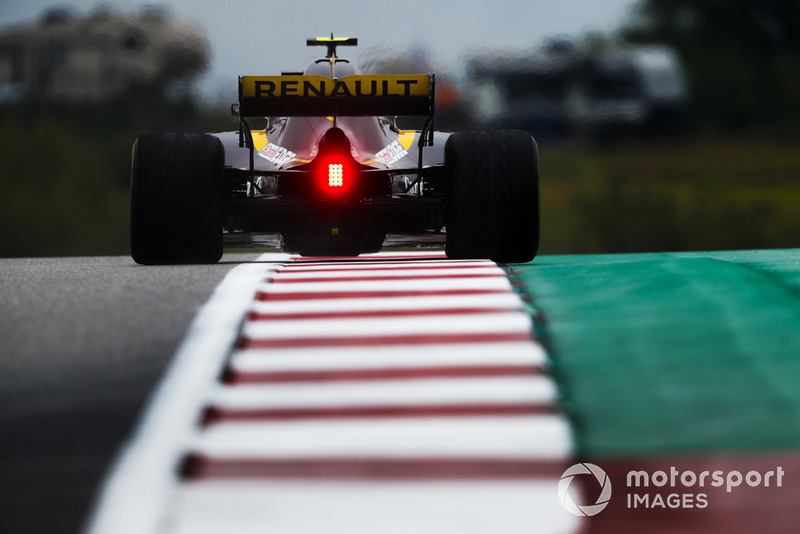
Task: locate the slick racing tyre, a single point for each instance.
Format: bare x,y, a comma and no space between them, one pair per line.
492,203
176,199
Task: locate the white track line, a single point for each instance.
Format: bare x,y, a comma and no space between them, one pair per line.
132,498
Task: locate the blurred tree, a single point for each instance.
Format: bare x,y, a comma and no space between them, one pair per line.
742,56
65,169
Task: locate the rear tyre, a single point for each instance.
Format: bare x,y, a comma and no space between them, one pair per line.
492,203
176,199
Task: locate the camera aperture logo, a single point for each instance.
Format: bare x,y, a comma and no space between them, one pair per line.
584,469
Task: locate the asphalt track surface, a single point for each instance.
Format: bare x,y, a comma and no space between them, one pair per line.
83,341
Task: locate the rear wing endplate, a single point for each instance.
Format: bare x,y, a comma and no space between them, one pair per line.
320,96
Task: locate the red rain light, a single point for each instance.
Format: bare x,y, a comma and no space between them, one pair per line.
334,166
335,175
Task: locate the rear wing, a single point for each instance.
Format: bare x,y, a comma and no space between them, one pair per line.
350,96
320,96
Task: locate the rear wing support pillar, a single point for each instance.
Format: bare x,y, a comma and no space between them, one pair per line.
426,135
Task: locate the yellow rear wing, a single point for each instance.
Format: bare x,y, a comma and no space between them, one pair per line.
320,96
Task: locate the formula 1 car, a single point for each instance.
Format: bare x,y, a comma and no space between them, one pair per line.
333,174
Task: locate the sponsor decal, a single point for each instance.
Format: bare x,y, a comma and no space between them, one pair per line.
391,154
322,86
276,154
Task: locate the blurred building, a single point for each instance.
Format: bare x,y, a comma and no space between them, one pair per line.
561,90
71,59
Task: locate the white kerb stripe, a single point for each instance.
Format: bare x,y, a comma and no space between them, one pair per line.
387,266
496,283
456,324
300,507
539,437
335,358
535,389
415,274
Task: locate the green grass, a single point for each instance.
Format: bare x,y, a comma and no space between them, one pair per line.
674,352
703,195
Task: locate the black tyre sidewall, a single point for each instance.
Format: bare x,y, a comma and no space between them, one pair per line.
492,205
176,198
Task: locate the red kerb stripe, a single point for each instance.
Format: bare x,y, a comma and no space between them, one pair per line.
393,340
323,280
360,314
233,376
306,259
198,467
216,414
327,295
383,256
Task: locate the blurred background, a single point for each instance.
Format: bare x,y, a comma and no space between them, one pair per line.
664,125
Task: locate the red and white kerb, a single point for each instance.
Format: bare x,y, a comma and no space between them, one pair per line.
397,393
